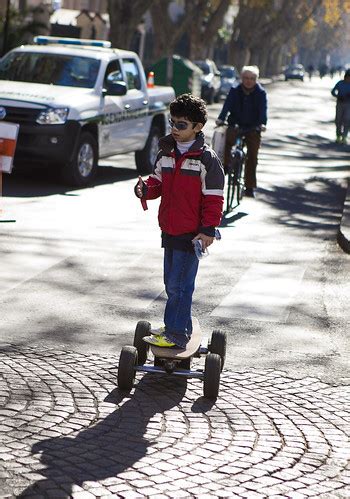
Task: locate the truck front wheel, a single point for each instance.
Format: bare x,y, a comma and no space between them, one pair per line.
146,158
82,169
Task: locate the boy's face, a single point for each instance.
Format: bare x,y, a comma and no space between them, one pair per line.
184,130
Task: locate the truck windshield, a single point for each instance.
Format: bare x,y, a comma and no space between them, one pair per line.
50,69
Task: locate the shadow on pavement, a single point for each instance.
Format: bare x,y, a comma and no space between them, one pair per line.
315,205
111,446
202,405
43,183
229,218
307,146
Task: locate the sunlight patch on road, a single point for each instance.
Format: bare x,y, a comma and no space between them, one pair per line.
264,293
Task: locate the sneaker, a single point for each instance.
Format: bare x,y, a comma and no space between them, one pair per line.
249,192
159,331
343,140
159,341
339,139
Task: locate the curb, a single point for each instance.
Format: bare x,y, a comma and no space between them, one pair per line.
343,237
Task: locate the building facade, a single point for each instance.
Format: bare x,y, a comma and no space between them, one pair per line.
99,6
23,5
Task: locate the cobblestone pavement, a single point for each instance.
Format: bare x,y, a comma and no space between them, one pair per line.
66,431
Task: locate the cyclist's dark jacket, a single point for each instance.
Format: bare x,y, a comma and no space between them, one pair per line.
191,187
246,110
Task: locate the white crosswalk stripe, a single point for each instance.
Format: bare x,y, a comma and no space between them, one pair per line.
263,293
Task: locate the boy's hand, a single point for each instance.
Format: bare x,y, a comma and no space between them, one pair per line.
138,187
206,240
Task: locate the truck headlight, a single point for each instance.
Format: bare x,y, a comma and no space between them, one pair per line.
53,116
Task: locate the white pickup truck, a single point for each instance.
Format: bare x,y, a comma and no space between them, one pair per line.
77,101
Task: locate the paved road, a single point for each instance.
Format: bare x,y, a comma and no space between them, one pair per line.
80,267
66,431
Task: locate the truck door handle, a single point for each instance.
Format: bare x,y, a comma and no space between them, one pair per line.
145,102
127,107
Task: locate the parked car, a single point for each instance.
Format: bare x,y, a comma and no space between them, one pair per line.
294,72
210,85
228,79
77,101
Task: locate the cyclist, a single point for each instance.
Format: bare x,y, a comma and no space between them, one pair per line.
247,108
342,115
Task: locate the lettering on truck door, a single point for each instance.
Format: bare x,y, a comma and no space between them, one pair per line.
137,101
114,129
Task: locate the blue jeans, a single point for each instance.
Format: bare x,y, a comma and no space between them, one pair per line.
180,270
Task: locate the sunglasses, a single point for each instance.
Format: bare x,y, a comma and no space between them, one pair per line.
181,125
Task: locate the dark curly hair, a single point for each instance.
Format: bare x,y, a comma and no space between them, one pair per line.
190,107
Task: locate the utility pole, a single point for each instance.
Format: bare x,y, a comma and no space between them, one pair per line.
6,28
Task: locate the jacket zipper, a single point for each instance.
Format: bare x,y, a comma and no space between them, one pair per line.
176,173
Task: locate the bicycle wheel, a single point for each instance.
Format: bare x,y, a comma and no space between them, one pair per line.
230,191
240,180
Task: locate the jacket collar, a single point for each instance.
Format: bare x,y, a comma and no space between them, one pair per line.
167,144
255,90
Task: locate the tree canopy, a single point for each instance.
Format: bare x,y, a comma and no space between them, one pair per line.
264,32
268,33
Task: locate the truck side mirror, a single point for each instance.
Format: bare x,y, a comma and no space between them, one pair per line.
115,88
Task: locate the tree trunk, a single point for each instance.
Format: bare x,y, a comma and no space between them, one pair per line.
205,31
166,32
238,54
125,16
263,59
197,48
275,60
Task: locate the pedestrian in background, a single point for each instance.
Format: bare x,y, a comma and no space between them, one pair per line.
246,105
189,179
341,91
310,70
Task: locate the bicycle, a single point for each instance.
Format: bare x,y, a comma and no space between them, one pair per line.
236,170
235,174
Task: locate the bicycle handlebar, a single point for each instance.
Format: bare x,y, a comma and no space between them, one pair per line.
242,130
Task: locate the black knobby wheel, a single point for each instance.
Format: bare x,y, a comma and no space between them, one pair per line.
126,368
146,158
218,345
143,328
212,372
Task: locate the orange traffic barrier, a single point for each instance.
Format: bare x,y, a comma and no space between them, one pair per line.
7,147
8,139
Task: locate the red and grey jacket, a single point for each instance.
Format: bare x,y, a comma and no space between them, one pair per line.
191,187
